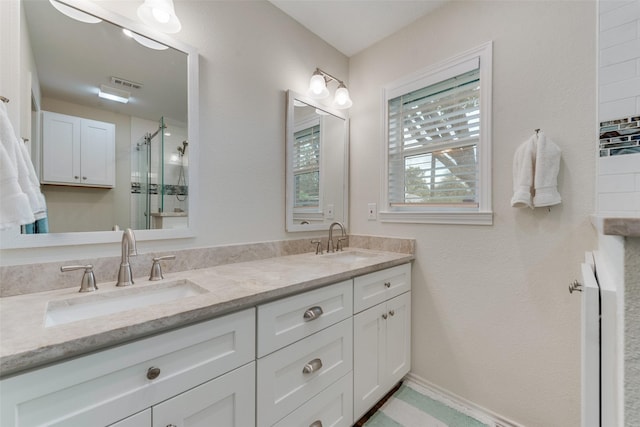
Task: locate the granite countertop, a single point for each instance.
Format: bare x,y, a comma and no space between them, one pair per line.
26,343
617,226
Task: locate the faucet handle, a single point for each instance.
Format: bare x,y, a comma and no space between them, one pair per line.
88,282
317,242
339,243
156,269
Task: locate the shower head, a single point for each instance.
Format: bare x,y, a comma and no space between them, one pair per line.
182,150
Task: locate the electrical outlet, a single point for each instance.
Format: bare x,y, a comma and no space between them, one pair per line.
372,211
329,212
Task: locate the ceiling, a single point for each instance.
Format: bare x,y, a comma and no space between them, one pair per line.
353,25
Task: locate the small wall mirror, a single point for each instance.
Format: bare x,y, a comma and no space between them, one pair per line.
317,139
155,132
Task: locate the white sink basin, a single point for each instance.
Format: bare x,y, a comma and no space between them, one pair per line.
97,304
350,256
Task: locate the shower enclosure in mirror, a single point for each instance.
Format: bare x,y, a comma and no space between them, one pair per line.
74,61
159,188
317,184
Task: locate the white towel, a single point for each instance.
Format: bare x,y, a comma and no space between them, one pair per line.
536,164
546,172
523,169
14,204
19,181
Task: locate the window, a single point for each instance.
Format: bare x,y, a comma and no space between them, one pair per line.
306,168
438,146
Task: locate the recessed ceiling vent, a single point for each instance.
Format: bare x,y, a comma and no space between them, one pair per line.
126,83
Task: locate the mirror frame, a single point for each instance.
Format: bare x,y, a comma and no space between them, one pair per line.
290,226
12,239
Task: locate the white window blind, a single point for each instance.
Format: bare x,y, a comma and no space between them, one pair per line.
306,167
433,137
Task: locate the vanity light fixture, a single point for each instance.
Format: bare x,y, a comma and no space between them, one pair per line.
318,89
160,14
151,44
74,13
113,94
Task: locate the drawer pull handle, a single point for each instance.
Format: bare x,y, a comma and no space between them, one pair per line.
312,366
312,313
316,423
153,373
392,312
387,284
384,316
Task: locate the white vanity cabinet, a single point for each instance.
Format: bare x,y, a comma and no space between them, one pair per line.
382,334
305,349
209,364
77,151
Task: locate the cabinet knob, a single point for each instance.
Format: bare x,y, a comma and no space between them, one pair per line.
387,284
84,177
312,314
384,316
171,425
76,177
153,373
392,312
316,423
312,366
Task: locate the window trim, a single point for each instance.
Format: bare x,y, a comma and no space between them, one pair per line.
483,214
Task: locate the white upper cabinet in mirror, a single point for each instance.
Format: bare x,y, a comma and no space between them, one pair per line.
156,129
317,139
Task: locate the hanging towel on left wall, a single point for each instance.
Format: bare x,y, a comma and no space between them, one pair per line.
536,164
19,180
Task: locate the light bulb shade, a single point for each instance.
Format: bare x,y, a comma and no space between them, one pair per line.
317,87
146,42
160,14
74,13
342,100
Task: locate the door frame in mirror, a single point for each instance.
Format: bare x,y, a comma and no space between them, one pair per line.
290,226
13,239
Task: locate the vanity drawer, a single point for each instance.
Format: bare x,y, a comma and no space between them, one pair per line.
332,407
107,386
285,321
291,376
374,288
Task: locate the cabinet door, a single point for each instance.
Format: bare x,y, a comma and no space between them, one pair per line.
141,419
369,343
398,358
228,401
60,148
97,153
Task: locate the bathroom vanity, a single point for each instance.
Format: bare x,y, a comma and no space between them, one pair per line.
304,339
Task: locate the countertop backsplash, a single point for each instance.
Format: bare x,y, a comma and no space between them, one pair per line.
30,278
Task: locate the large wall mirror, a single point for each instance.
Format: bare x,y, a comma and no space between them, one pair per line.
317,139
155,131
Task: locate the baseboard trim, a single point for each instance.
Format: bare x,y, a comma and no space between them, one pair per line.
459,403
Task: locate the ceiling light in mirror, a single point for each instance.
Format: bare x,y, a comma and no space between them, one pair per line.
74,13
151,44
160,14
113,94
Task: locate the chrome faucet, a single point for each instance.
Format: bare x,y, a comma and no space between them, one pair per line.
330,242
125,276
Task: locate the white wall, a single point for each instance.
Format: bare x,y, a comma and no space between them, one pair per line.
618,189
493,321
250,54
